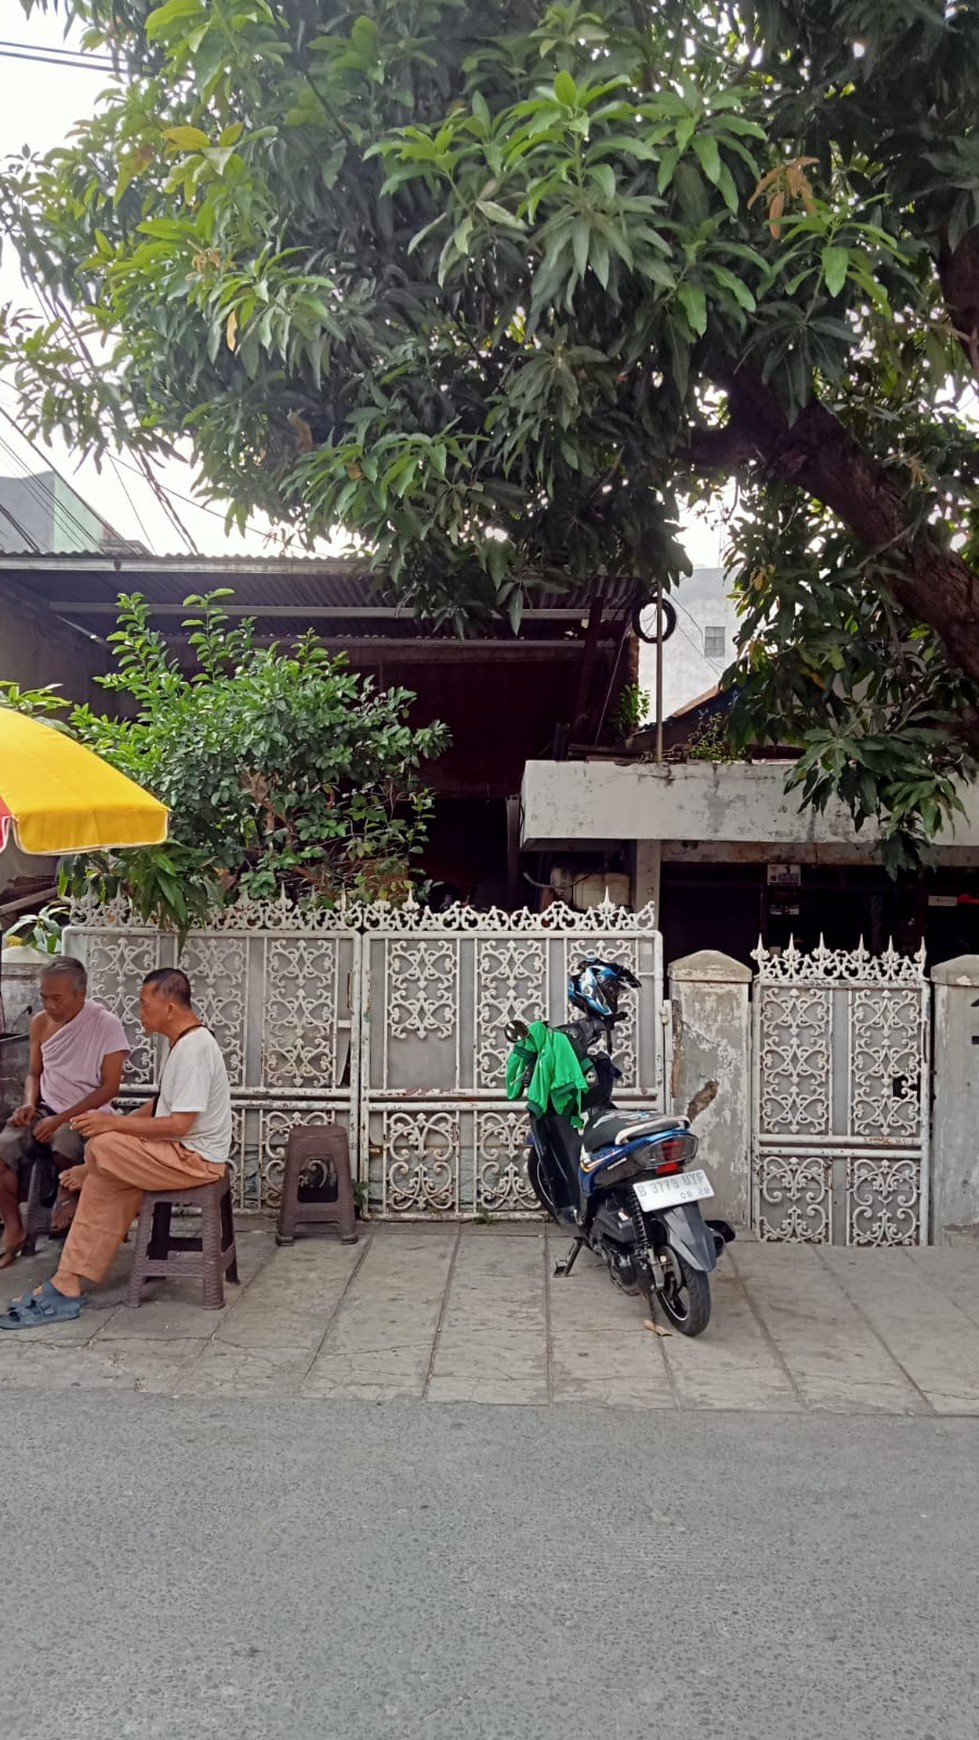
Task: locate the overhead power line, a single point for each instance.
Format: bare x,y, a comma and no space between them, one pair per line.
42,56
178,495
44,497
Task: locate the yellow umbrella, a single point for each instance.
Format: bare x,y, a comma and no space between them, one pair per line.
58,796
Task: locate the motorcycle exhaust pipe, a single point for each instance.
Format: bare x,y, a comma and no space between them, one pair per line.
723,1234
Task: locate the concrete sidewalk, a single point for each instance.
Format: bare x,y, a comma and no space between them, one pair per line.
474,1314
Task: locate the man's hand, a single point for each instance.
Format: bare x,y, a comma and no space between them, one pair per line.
94,1123
23,1117
47,1129
72,1179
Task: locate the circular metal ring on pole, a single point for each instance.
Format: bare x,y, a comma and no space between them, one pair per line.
644,621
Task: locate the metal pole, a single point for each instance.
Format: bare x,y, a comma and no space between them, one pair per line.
659,670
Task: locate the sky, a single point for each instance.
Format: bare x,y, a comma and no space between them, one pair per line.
38,107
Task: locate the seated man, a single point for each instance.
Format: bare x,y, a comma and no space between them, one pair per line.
78,1053
183,1141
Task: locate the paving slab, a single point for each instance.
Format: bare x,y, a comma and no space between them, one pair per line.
35,1367
292,1302
474,1314
936,1343
836,1358
956,1279
151,1365
172,1313
238,1371
599,1349
379,1344
735,1363
255,1248
156,1367
492,1340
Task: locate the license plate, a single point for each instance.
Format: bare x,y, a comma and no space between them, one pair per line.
667,1192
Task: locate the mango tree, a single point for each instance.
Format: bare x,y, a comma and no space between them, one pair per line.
499,288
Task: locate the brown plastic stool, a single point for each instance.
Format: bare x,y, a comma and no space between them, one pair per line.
207,1258
328,1146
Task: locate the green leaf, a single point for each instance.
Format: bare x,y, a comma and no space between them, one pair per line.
566,90
728,189
706,149
599,258
836,265
694,304
159,21
738,288
667,169
581,237
498,214
187,138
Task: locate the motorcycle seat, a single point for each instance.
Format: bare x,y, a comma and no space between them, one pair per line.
617,1126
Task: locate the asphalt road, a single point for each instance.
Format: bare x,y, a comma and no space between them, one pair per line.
265,1569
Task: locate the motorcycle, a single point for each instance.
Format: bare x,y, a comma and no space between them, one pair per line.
622,1183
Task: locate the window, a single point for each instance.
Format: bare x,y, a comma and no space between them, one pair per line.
714,643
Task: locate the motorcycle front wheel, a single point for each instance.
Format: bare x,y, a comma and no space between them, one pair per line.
684,1295
535,1173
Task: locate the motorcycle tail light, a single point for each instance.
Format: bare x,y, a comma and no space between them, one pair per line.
675,1152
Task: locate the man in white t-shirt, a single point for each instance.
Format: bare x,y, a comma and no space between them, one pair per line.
182,1140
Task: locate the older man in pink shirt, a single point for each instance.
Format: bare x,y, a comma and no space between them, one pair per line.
78,1053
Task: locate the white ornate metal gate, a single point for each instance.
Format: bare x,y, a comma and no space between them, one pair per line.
437,1135
281,993
388,1021
840,1124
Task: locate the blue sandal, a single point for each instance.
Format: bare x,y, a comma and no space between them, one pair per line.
34,1310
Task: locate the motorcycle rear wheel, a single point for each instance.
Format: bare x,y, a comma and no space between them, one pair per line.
685,1295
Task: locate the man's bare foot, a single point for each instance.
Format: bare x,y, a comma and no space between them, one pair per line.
10,1253
63,1212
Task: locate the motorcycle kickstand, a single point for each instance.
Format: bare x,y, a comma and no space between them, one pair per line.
566,1264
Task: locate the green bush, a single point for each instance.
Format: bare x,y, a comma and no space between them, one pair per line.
283,770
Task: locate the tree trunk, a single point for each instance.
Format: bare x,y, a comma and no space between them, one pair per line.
958,270
818,454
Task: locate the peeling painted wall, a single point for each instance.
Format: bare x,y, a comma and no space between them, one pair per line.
955,1127
711,1077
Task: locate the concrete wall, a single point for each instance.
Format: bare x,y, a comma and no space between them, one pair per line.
585,802
43,512
711,1074
955,1123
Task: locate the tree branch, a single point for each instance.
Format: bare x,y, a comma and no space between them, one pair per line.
822,458
958,272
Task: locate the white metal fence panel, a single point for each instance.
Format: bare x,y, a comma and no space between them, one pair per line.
438,1135
280,991
388,1021
840,1121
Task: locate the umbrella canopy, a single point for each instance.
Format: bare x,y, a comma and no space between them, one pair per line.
58,796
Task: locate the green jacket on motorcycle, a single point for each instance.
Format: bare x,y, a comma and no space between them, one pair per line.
557,1082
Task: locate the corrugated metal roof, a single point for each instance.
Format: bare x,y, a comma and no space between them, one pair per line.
339,597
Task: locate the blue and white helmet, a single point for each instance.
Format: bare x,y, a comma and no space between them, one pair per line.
595,987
